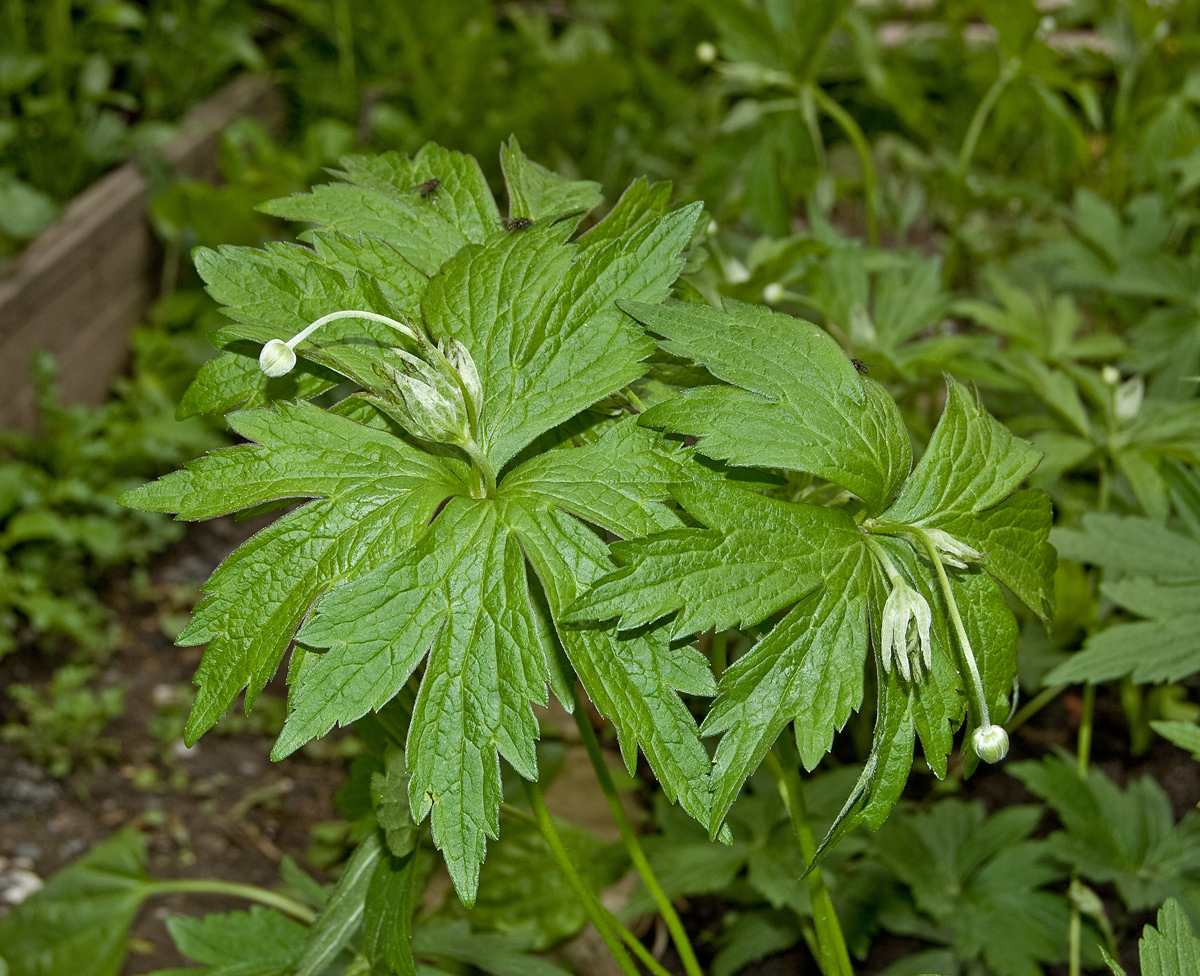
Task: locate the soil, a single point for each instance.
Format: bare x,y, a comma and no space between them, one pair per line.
223,810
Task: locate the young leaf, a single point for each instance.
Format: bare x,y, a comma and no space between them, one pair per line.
259,942
1161,583
435,485
78,924
977,884
1127,837
1172,948
840,580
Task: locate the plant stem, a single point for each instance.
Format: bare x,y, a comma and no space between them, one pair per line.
683,945
343,26
591,904
982,111
1083,757
202,886
833,957
627,937
1033,706
16,24
719,652
846,123
959,630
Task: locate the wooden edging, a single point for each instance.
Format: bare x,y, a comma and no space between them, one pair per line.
84,282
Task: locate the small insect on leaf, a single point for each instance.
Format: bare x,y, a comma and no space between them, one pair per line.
426,188
862,367
518,223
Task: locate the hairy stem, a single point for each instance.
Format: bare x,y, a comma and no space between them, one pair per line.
846,123
683,945
831,944
596,912
202,886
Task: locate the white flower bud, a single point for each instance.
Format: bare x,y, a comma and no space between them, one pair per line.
905,607
773,293
953,553
1110,374
706,52
276,358
1127,398
990,743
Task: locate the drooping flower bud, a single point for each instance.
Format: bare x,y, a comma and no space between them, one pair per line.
990,743
953,553
276,358
905,608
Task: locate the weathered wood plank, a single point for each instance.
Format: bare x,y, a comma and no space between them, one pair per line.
82,285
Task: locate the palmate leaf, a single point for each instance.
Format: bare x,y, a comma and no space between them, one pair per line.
800,405
1152,572
420,553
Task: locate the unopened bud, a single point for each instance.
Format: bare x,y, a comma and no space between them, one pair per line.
276,358
773,293
706,52
990,743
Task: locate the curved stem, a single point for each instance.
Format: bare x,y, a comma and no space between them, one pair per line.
591,904
846,123
353,313
959,630
983,110
683,945
201,886
831,944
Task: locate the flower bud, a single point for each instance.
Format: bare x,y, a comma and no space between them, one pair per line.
953,553
706,52
277,358
905,607
773,293
990,743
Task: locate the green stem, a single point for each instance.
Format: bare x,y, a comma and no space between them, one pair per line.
483,466
16,24
58,40
1033,706
983,110
683,945
344,30
1083,757
591,904
200,886
833,956
846,123
719,652
633,400
959,630
627,937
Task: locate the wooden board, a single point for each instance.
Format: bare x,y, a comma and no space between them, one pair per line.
85,282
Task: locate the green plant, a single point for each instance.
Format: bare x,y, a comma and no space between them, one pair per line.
473,444
62,729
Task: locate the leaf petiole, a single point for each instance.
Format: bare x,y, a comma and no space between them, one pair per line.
683,945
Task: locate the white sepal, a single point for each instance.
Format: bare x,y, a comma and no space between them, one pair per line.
905,607
277,358
953,553
461,362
